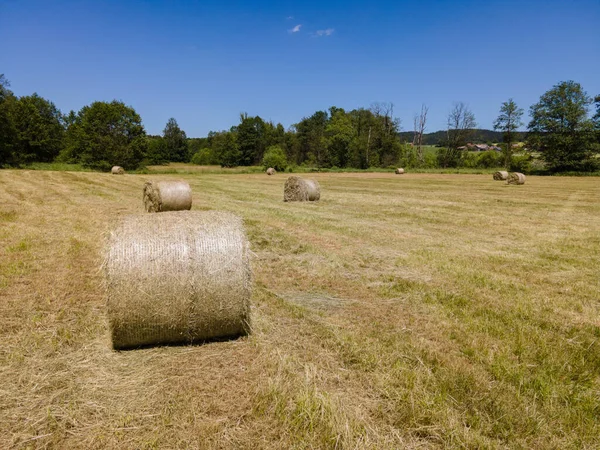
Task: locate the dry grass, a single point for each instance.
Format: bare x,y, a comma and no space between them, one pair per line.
389,315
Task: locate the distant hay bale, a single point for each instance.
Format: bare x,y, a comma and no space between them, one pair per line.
270,171
162,196
178,277
501,175
399,171
516,178
117,170
298,189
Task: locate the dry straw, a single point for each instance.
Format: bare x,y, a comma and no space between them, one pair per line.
516,178
270,171
179,277
501,175
117,170
298,189
167,196
399,171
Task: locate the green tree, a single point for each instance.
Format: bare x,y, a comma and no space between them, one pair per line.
39,129
461,122
175,141
106,134
226,149
339,133
312,140
8,132
157,151
596,117
251,139
559,121
275,157
508,122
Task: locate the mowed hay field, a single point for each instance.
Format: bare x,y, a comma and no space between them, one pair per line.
413,311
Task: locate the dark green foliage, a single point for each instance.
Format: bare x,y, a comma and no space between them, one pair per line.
8,132
104,135
175,142
275,157
39,127
560,126
250,139
226,149
157,151
31,128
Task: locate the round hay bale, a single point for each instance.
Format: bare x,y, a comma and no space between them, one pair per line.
516,178
178,277
298,189
162,196
399,171
270,171
501,175
117,170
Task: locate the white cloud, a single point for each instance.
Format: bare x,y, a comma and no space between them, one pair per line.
290,17
327,32
295,29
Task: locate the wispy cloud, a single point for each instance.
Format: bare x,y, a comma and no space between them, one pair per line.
327,32
290,17
295,29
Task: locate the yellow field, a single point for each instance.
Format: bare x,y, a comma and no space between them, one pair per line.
414,311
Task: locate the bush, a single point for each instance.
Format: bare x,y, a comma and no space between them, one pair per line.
275,157
490,159
520,164
203,157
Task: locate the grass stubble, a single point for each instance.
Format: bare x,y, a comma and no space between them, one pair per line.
428,311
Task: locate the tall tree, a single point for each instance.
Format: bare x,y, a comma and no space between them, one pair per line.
420,121
7,129
251,139
560,122
39,129
106,134
461,122
175,141
312,139
509,121
226,149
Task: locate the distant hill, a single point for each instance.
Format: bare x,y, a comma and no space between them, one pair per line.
479,137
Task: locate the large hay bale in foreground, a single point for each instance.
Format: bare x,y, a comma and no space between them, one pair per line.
516,178
399,171
501,175
178,277
117,170
298,189
270,171
167,196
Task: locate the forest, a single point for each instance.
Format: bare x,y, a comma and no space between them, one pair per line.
563,135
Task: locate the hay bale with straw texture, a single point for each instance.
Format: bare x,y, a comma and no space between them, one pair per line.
178,277
162,196
298,189
117,170
501,175
516,178
399,171
270,171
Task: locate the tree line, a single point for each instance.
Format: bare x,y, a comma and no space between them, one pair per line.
563,131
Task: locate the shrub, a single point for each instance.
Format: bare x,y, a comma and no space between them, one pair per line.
203,157
275,157
520,164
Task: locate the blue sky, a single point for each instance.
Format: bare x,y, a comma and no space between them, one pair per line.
204,62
